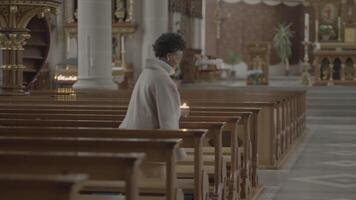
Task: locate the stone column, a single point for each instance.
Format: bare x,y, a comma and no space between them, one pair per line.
94,45
69,11
203,28
155,17
197,33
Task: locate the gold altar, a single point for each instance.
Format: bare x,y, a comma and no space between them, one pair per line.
335,42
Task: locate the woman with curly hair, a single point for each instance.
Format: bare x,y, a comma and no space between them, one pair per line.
155,101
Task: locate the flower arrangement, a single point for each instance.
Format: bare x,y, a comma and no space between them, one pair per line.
326,31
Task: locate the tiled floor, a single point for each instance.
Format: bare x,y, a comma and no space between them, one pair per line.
324,169
324,166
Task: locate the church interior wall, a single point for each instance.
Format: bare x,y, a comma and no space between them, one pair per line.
249,23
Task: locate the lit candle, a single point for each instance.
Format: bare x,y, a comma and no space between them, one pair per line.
306,29
184,110
184,106
339,28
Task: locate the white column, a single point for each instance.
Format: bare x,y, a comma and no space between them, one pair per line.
203,28
94,45
306,27
197,42
155,17
69,11
316,30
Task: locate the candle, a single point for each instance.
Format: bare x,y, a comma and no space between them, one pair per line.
339,28
184,106
316,30
184,110
306,28
122,44
317,46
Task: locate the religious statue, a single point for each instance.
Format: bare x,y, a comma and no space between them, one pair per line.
328,13
120,10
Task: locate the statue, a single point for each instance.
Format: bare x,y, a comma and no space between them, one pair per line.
120,10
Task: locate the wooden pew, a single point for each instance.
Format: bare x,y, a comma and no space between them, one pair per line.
244,130
268,151
158,150
255,127
285,123
191,139
39,187
232,127
214,133
278,97
99,166
274,156
95,124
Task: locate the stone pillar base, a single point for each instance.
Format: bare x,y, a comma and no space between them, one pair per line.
94,84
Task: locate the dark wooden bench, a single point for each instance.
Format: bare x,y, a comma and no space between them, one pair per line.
39,187
99,166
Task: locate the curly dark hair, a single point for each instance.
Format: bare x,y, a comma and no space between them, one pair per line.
168,43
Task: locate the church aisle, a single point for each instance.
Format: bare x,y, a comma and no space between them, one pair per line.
324,165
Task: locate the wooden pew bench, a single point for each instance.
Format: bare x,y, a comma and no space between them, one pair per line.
191,139
157,151
245,156
40,187
285,125
70,123
98,166
278,97
215,135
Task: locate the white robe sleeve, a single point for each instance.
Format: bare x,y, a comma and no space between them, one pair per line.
168,104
